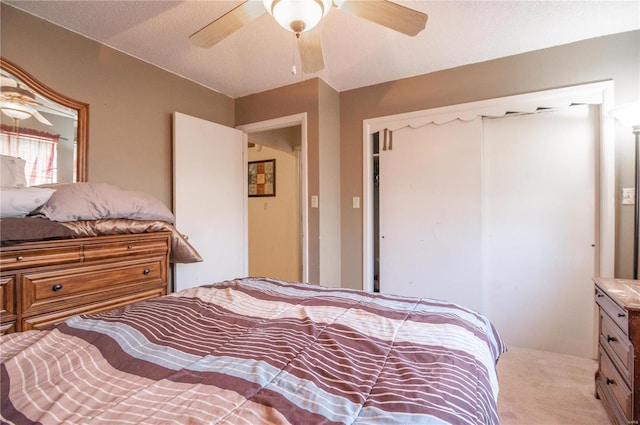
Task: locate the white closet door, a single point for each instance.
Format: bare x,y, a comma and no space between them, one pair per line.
210,194
430,213
539,227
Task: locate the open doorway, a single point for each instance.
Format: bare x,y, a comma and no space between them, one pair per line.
274,217
277,225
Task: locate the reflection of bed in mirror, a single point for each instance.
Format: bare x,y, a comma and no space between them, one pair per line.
42,126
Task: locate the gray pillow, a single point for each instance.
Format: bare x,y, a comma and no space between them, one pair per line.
96,201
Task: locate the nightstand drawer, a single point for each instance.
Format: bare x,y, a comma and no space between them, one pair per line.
62,289
618,345
619,315
614,383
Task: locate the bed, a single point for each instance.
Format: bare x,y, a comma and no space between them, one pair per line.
257,350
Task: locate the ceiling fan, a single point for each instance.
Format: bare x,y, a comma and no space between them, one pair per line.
19,103
302,17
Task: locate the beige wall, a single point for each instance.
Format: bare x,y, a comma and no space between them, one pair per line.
282,102
329,163
321,103
131,102
614,57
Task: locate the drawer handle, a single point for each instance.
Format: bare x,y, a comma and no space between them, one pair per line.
600,295
146,272
56,287
610,338
621,314
129,246
609,381
20,258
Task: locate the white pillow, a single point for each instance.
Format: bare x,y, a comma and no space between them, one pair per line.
20,201
12,171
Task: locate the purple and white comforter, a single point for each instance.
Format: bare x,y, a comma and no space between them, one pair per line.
253,351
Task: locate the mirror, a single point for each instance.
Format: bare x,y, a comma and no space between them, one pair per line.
45,128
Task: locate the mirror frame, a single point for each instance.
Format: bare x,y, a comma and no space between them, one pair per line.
81,108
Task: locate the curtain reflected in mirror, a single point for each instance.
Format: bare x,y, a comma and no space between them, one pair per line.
45,128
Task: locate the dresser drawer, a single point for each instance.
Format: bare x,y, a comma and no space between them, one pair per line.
7,297
61,289
125,248
18,259
7,327
7,304
43,321
617,344
613,382
617,313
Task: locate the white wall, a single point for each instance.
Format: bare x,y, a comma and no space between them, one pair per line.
274,246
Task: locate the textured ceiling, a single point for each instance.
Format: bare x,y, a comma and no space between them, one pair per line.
357,53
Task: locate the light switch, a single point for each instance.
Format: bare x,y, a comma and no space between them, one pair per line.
628,196
356,202
314,201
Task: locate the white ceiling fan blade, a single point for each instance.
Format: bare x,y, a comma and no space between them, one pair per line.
388,14
311,51
37,115
228,23
7,82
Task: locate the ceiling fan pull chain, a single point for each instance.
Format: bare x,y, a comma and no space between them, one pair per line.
293,58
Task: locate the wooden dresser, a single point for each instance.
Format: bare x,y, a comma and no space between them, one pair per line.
618,375
43,283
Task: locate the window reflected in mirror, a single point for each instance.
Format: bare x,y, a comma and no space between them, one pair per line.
42,127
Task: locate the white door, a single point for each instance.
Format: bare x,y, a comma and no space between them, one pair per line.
210,194
430,213
498,215
539,228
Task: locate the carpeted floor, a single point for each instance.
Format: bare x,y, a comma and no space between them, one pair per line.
542,388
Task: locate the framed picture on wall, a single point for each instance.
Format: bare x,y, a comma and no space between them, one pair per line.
262,178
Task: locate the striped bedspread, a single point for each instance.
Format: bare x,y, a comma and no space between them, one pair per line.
254,351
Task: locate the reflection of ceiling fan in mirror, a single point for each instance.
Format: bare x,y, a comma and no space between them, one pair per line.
19,103
302,18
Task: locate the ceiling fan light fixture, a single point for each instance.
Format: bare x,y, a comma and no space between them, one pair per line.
17,91
16,111
297,15
14,103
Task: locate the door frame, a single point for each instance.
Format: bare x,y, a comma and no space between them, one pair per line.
283,122
600,93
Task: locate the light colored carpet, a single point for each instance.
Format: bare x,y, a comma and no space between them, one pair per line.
542,388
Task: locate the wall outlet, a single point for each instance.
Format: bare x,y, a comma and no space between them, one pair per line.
628,196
